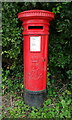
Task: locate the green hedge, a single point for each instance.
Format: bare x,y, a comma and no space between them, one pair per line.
59,39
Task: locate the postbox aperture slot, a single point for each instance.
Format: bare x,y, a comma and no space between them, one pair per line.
35,27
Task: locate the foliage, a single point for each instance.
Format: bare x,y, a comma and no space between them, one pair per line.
56,106
59,85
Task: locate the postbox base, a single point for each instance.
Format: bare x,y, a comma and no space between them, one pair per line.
34,98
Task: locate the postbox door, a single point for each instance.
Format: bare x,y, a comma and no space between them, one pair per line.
35,61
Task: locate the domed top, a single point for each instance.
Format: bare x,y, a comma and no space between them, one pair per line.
36,13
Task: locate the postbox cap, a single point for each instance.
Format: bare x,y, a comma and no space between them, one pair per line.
36,14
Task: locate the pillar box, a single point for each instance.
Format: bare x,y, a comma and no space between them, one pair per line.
35,56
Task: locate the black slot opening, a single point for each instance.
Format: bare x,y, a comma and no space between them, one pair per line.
35,27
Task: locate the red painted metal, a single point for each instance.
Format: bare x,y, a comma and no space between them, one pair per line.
35,46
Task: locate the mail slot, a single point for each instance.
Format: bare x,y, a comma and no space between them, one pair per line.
35,54
35,27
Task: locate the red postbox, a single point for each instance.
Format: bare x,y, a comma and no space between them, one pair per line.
35,46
